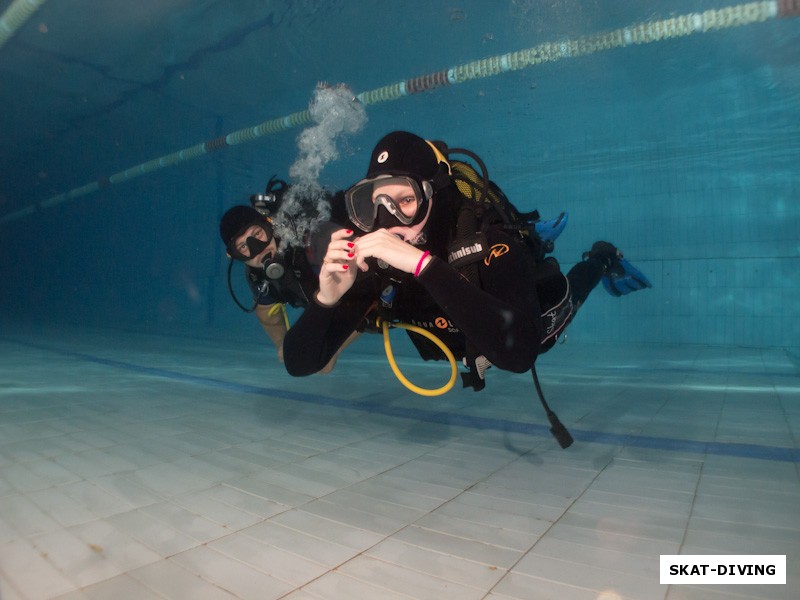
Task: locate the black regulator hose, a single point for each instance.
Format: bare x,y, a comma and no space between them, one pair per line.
233,294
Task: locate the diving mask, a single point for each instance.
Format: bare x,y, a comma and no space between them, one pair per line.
252,245
401,196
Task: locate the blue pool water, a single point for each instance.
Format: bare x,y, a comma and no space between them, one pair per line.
681,151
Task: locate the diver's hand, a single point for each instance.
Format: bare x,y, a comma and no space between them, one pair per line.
390,249
338,272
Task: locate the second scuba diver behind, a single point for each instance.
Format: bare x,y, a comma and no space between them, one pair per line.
427,254
276,273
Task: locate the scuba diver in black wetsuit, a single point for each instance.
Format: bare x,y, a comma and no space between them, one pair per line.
429,255
275,273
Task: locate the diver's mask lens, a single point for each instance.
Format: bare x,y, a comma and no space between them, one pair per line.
400,196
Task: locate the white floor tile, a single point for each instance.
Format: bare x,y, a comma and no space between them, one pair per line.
173,582
599,578
477,551
284,565
409,582
237,578
25,570
122,587
95,499
337,586
158,535
124,485
25,517
63,508
355,517
464,523
315,549
439,565
186,522
81,562
521,587
328,529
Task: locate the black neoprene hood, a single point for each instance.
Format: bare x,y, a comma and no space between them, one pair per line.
236,220
403,153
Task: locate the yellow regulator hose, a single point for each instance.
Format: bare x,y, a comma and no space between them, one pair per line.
392,363
280,307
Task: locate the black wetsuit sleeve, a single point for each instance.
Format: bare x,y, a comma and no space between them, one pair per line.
320,332
499,318
501,321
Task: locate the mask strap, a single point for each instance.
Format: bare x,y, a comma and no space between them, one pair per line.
440,158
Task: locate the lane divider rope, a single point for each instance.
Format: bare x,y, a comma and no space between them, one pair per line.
641,33
15,16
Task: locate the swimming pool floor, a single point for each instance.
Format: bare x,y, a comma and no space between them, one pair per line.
139,466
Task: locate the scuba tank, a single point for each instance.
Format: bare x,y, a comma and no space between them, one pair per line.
485,205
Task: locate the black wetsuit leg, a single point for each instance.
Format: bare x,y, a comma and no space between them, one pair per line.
584,277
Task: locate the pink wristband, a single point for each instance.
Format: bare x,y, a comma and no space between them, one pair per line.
425,255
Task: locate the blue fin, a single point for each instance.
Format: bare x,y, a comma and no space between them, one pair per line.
623,278
551,229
